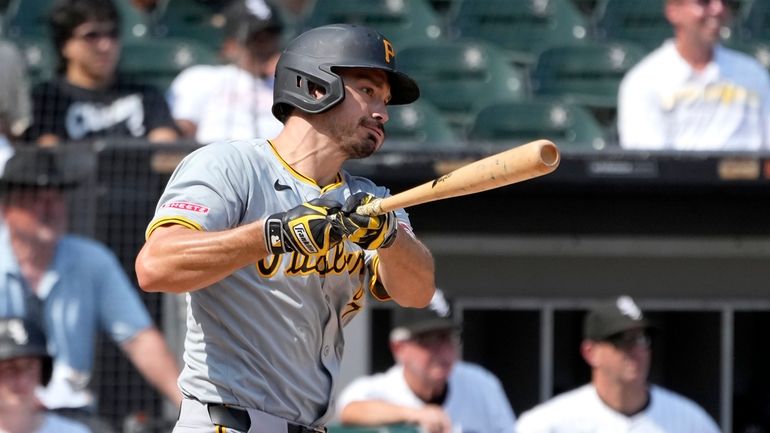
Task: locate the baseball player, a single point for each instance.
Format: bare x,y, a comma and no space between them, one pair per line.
262,237
428,386
25,365
619,399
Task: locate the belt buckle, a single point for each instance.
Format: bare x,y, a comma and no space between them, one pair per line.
232,417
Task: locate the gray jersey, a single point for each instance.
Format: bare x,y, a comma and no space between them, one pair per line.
268,336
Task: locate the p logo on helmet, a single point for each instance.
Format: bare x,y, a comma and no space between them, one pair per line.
389,53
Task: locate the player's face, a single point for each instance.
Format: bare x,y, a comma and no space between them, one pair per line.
699,20
358,122
431,356
625,358
93,50
18,379
38,215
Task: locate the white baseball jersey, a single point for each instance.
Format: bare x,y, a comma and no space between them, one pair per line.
268,336
582,411
225,102
475,402
664,104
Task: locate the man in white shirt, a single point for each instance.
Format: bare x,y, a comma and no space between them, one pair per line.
692,93
616,345
233,101
428,386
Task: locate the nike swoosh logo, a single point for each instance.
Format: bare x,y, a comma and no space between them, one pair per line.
280,187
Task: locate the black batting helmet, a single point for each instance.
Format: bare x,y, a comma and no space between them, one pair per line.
24,338
312,57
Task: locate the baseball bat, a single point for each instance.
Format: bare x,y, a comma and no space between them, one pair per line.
518,164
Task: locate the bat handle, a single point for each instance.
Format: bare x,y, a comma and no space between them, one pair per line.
374,207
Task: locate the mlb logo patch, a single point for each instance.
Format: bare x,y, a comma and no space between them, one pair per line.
192,207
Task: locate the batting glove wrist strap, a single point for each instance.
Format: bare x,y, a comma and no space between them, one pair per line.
307,229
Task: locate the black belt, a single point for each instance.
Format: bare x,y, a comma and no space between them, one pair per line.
238,419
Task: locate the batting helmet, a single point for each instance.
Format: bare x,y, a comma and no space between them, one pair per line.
313,56
23,338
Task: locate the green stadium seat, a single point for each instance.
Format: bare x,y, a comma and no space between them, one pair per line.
521,26
403,22
158,61
190,19
29,18
588,75
417,127
26,19
459,77
754,20
512,123
640,22
40,56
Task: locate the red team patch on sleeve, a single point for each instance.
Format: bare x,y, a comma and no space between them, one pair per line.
186,206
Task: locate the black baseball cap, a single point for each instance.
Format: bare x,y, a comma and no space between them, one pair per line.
410,322
613,317
246,17
36,167
21,337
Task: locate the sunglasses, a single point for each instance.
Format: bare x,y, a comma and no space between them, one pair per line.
630,340
94,36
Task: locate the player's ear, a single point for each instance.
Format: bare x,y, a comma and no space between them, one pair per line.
396,348
588,350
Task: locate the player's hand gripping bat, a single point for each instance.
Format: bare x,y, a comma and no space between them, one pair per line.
518,164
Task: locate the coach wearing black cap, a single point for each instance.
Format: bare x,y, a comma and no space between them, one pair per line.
25,365
616,345
233,101
428,386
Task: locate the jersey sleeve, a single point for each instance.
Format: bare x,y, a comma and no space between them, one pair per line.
48,110
208,191
360,389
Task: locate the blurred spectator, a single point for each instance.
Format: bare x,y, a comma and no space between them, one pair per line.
233,101
616,345
14,95
428,386
692,93
72,285
88,100
25,365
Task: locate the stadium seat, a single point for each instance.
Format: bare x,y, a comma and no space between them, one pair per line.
158,61
754,19
641,22
417,127
520,26
40,56
190,19
404,22
512,123
29,18
26,19
460,76
588,75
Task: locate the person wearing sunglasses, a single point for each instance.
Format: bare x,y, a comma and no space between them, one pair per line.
617,347
428,387
87,99
692,93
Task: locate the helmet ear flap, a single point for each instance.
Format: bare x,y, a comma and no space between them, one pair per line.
298,86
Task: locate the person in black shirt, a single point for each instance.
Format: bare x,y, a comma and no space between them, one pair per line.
88,99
